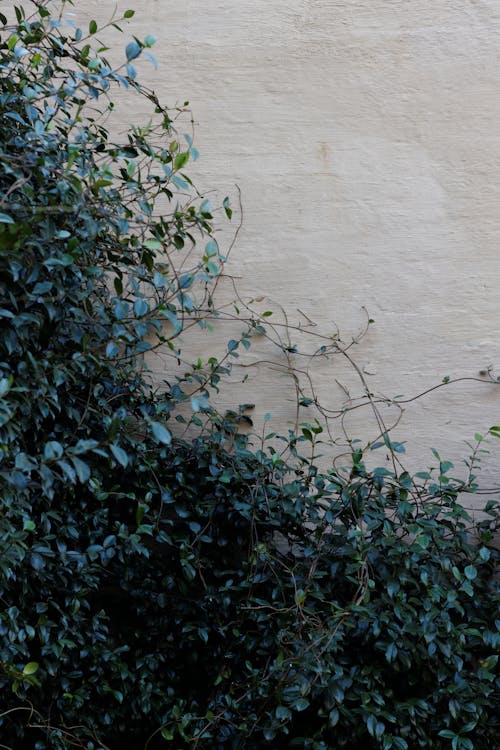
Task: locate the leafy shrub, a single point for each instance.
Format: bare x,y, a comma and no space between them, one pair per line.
158,591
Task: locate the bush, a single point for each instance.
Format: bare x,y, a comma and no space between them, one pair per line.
159,591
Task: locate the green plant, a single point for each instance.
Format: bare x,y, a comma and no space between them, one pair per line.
159,591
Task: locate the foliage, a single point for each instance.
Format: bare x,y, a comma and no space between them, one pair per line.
159,591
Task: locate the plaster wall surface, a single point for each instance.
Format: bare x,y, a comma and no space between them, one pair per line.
364,136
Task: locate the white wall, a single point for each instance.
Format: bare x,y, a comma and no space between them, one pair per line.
365,138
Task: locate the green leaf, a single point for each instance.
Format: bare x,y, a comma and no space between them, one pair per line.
129,13
212,268
153,244
118,284
161,433
67,470
12,41
391,652
283,713
300,704
470,572
211,249
333,717
5,385
52,450
200,403
112,350
139,513
469,590
371,724
6,219
82,469
120,455
141,307
133,50
30,668
25,462
181,159
92,27
227,208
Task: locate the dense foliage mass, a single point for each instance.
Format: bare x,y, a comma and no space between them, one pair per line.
158,591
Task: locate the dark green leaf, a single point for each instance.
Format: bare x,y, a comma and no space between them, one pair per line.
181,159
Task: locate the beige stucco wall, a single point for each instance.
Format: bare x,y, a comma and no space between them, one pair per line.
365,138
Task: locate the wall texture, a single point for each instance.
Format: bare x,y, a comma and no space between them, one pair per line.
365,138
